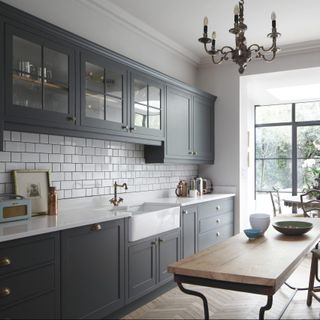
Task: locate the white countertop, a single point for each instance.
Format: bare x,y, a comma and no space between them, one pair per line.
85,215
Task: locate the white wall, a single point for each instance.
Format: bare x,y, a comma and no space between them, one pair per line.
231,126
98,25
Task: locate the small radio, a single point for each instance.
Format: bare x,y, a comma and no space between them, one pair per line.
14,207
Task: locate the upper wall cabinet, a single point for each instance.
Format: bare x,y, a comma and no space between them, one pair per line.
189,134
56,82
104,104
39,80
147,105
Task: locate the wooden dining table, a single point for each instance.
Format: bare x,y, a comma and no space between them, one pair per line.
259,266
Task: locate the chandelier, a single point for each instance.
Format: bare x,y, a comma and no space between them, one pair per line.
241,54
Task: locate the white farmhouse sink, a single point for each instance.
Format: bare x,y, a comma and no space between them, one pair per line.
152,218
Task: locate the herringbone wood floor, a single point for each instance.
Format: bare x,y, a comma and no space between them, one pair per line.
225,304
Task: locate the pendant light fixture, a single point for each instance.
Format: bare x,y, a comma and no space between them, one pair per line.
241,54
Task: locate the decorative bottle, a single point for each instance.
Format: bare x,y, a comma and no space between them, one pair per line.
52,201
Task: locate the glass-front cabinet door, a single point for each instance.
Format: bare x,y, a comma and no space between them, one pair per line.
147,105
39,79
103,94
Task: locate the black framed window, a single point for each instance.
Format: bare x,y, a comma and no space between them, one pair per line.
287,147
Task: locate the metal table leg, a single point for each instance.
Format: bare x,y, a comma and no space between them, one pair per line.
200,295
266,307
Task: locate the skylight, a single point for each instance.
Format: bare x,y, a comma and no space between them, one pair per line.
296,93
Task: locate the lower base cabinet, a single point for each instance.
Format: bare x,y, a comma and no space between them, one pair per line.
189,232
215,222
148,260
29,278
92,269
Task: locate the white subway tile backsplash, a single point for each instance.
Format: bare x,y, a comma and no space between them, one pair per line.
30,137
13,146
15,136
56,139
86,167
44,148
44,138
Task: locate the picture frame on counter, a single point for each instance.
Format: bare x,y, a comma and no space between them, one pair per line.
33,185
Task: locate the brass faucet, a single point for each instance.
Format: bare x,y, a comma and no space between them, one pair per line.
115,200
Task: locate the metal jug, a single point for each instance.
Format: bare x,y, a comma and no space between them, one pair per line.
182,188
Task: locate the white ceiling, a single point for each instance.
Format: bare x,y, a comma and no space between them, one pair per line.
181,21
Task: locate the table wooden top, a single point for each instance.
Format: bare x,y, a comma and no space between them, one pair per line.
266,261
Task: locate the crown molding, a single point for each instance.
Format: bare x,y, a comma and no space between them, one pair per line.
117,14
290,49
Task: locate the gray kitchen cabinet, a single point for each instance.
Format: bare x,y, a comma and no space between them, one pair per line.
169,252
30,278
104,98
189,129
147,105
178,130
142,272
92,270
56,82
148,260
189,230
215,222
203,128
39,80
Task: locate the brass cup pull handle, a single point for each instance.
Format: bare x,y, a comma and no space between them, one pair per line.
5,262
96,227
4,292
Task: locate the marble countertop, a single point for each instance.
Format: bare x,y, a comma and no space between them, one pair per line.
72,216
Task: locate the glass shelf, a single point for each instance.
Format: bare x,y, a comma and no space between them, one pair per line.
46,82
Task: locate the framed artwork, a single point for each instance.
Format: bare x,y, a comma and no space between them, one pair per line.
33,185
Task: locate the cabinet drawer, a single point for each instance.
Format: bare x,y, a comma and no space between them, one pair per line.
41,307
215,207
26,253
215,221
26,284
215,236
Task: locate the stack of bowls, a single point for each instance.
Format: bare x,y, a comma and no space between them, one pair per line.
260,221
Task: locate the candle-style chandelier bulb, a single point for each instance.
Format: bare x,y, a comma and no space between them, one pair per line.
241,54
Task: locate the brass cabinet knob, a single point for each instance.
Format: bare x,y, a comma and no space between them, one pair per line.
161,240
218,234
218,207
4,292
195,153
190,152
5,262
153,243
132,128
185,212
125,127
96,227
218,221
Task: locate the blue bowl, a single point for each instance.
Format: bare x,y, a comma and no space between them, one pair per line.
252,233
